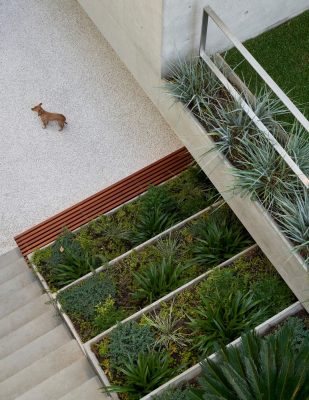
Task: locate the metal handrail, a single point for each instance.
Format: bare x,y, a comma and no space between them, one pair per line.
208,12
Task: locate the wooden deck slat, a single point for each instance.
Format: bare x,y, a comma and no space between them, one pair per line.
104,201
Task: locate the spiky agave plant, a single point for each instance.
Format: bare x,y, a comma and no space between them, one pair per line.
259,369
221,319
217,238
141,377
158,279
193,84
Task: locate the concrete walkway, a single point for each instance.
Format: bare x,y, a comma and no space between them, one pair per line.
51,52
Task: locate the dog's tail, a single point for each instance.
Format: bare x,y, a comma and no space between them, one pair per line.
65,122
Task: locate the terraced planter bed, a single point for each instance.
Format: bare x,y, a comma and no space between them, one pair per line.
97,303
75,254
290,331
254,180
182,331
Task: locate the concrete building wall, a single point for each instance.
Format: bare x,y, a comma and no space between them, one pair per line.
245,18
134,30
149,34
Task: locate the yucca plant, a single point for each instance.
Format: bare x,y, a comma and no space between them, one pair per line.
218,238
141,377
259,369
193,84
158,279
167,327
151,223
74,266
221,319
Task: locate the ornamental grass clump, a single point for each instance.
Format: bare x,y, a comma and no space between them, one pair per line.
293,217
193,84
259,171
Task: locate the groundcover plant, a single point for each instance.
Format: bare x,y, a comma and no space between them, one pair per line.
97,303
75,254
260,171
186,329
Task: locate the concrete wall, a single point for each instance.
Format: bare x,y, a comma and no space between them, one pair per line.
245,18
149,34
134,30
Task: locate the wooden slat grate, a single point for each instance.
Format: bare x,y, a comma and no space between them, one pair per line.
104,201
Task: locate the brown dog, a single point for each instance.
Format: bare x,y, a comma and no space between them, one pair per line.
46,117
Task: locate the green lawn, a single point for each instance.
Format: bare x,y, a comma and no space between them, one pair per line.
284,54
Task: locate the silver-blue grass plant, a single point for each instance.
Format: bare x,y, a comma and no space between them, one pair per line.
259,171
193,84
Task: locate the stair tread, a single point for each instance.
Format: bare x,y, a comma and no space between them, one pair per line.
24,314
13,269
34,374
61,383
16,300
90,389
10,257
34,351
16,283
28,332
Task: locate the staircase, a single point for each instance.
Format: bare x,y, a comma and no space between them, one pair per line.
38,357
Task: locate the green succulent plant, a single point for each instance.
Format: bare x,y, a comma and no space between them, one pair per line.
259,369
219,320
142,376
218,238
158,279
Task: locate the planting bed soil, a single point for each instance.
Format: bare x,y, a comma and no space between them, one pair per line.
75,254
186,329
99,302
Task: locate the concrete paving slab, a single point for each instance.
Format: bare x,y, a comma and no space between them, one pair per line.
51,52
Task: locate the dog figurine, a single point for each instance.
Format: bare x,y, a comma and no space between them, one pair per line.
46,117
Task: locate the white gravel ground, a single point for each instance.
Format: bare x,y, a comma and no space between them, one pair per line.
51,52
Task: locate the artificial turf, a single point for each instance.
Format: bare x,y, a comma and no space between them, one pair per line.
284,53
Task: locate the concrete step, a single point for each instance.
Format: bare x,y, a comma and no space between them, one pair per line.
20,298
9,257
28,332
34,351
16,283
88,390
60,384
9,271
24,314
44,368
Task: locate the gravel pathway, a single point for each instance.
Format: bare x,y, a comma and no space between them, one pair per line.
51,52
